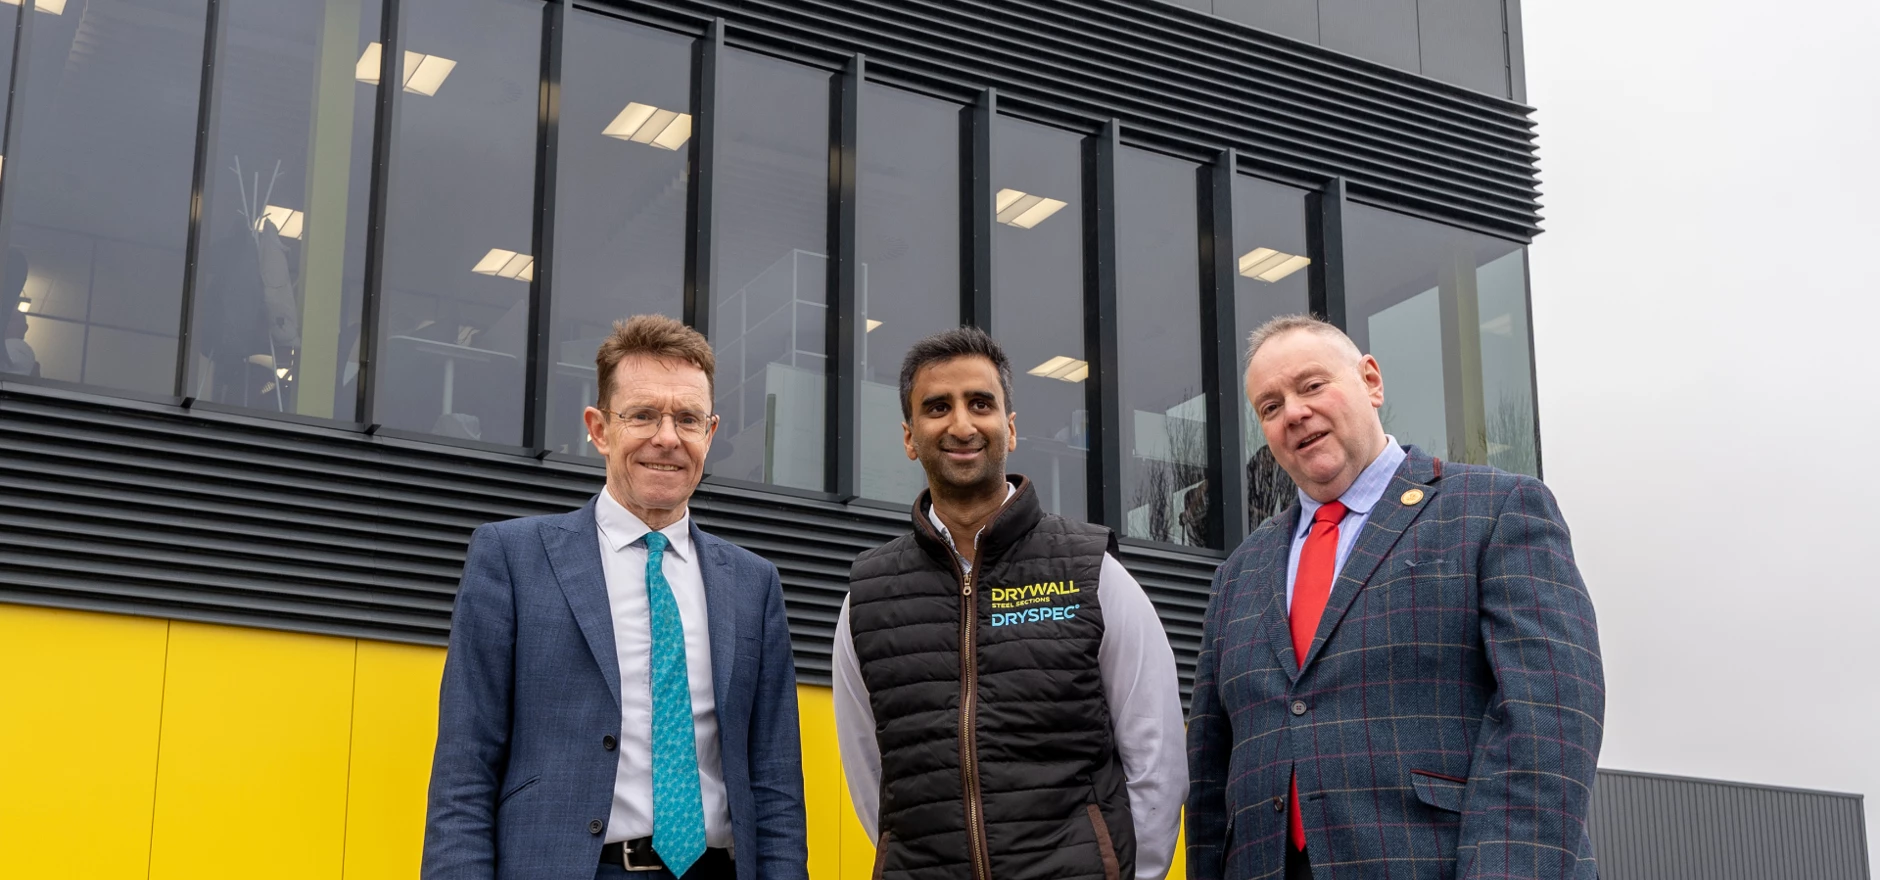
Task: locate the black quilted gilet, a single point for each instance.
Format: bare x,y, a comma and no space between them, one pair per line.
1051,799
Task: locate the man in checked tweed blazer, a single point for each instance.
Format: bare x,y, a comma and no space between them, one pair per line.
1446,719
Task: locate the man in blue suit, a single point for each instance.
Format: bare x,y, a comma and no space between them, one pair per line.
1399,674
619,695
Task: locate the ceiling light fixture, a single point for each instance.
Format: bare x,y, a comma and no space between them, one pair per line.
424,74
287,221
1067,369
56,7
872,324
506,264
1269,265
1022,209
647,124
26,305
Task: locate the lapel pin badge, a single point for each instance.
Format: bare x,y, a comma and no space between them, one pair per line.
1411,497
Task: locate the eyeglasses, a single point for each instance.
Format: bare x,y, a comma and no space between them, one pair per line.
644,422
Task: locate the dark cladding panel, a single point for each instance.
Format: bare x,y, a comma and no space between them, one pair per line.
1384,31
1464,43
153,510
1647,827
1298,19
1202,5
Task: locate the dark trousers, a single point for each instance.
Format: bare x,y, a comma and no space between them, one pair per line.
712,866
1298,867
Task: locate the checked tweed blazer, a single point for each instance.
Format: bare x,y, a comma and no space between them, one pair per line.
1448,717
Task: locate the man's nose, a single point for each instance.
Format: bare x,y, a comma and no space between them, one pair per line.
667,436
1296,411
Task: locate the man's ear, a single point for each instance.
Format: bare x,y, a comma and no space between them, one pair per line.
596,422
1373,377
1011,432
907,442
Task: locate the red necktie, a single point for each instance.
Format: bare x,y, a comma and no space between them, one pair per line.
1312,585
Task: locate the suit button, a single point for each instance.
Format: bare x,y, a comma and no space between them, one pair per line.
1299,707
1279,804
595,827
607,742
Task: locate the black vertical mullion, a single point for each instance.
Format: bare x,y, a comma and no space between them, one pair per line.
541,300
384,126
214,39
1220,353
1103,390
1326,231
843,451
976,210
15,113
698,234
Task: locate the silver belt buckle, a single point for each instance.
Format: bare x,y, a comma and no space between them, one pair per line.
627,853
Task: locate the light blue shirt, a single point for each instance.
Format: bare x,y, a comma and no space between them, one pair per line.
1359,499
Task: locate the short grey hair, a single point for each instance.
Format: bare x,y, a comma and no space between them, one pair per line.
1285,324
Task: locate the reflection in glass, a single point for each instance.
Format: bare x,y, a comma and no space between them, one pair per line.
1038,309
99,182
281,273
908,281
620,209
458,267
16,354
1270,280
1158,295
1445,313
770,279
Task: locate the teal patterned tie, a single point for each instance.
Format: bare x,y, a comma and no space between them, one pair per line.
678,810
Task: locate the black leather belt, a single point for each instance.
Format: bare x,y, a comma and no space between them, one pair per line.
638,855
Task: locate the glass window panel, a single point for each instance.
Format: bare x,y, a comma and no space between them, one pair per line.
16,355
620,208
1038,306
907,283
455,316
1164,409
281,272
99,181
1271,279
1445,313
769,287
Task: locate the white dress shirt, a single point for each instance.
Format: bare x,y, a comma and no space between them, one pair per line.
1139,683
623,562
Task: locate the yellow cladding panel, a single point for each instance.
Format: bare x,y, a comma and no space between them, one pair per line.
394,732
251,779
80,698
822,779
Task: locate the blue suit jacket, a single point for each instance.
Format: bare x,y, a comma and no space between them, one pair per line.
1448,717
532,685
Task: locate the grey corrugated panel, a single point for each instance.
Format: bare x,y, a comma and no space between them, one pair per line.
142,508
1186,82
1653,827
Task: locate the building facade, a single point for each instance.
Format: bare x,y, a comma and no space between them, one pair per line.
280,334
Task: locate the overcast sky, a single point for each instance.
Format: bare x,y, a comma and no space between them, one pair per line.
1706,309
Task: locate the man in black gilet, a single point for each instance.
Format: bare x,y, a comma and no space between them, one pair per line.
1006,700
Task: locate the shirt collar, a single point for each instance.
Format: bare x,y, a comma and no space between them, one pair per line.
933,517
621,529
1365,491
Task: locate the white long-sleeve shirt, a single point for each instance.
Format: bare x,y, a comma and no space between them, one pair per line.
1139,683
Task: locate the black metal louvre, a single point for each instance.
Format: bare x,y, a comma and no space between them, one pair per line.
1180,81
150,509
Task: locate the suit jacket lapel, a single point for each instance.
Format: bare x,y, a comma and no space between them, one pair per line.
574,553
1269,594
723,607
1389,519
